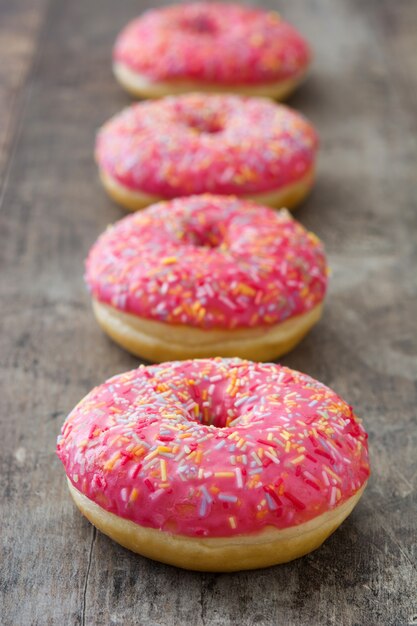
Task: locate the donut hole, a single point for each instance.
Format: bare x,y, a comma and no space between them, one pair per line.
210,406
215,418
202,237
204,124
199,24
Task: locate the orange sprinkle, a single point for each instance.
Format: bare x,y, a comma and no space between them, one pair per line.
134,495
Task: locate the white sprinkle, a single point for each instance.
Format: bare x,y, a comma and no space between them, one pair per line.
225,497
333,492
256,458
203,507
206,494
271,456
239,478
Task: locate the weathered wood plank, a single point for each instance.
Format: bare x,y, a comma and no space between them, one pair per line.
19,30
55,568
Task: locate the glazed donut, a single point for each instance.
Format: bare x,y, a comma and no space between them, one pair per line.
207,276
192,144
210,47
215,465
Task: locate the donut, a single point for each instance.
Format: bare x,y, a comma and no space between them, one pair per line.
215,464
206,276
193,144
210,47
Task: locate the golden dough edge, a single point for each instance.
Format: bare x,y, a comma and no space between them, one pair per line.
158,342
271,546
139,86
287,197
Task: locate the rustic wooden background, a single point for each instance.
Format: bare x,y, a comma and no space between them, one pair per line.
56,87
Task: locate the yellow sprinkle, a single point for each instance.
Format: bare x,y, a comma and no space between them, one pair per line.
163,465
298,459
151,455
169,260
232,522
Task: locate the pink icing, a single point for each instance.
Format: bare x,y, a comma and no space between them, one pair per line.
209,262
198,143
213,43
214,447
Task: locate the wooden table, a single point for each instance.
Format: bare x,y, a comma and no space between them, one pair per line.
56,88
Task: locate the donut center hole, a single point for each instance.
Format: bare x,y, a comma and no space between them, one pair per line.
199,24
204,125
202,236
203,121
214,416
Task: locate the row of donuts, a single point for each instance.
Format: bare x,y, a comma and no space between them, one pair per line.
213,463
189,294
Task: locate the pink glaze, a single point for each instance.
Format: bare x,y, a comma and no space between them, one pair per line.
212,43
214,447
209,262
197,143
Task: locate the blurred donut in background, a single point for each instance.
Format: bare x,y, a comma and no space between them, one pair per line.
210,47
199,143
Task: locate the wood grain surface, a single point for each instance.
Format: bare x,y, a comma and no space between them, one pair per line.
56,88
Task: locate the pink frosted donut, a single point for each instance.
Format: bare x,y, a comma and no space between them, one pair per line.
207,276
208,46
216,464
192,144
